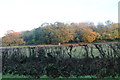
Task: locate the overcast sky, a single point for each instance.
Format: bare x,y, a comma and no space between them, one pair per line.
19,15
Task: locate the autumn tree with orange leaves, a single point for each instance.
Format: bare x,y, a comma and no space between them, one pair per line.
58,33
12,39
88,35
83,33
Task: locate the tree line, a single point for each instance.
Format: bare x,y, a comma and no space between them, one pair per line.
58,32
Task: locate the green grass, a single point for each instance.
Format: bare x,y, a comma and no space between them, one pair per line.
10,76
15,76
21,46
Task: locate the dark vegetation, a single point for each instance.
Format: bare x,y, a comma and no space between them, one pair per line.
61,61
64,33
96,59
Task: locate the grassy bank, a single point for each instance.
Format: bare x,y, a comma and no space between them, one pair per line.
14,77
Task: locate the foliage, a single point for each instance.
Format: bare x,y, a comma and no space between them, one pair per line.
12,39
85,34
62,61
109,31
59,32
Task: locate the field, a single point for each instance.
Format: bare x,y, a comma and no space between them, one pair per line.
10,76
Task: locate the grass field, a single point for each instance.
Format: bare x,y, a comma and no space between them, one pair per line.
45,45
14,77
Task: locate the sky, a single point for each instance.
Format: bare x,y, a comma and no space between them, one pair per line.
21,15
